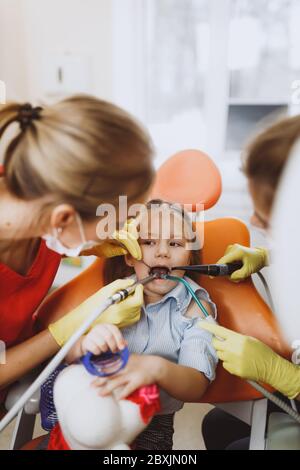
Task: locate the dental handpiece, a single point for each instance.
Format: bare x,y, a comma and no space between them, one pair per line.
122,294
206,269
213,269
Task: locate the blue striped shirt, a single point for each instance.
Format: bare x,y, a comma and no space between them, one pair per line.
164,330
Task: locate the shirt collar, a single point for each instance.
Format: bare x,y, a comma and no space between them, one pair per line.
179,293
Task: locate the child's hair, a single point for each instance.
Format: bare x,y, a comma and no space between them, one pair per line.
82,151
116,268
268,153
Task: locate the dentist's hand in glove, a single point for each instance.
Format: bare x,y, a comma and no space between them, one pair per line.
254,259
251,359
122,314
123,241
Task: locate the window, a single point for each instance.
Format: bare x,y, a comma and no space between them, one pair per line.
264,50
204,73
177,51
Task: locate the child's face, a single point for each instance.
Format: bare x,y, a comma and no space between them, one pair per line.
161,246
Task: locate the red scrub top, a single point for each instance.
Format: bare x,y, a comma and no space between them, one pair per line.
20,296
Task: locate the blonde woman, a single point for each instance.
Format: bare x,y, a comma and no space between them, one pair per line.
59,164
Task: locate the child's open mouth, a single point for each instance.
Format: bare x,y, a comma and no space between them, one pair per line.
159,271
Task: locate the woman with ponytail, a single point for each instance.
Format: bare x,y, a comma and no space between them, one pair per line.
60,163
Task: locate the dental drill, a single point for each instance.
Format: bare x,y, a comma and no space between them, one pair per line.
59,357
213,270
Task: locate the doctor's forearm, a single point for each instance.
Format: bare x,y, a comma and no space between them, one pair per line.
24,357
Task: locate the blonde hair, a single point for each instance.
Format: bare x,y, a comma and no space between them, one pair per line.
82,151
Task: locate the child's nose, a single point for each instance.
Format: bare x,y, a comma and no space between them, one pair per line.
163,248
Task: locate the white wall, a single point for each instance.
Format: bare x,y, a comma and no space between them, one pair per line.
13,67
32,30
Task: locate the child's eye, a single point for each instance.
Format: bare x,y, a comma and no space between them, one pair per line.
176,243
147,242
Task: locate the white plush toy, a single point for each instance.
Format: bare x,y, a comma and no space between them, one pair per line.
89,421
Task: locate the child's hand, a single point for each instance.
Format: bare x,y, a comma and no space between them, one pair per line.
139,371
102,338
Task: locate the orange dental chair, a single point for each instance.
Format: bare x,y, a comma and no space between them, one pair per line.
191,177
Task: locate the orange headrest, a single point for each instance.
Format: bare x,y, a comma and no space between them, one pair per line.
188,177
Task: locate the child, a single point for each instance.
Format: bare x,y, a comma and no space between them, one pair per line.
166,346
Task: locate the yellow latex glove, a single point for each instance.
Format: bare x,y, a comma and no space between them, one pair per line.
251,359
254,259
124,241
122,314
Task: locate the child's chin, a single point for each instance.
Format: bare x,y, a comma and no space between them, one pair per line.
161,286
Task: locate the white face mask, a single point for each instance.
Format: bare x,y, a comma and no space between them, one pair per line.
54,244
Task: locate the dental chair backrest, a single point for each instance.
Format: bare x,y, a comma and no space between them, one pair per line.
191,177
